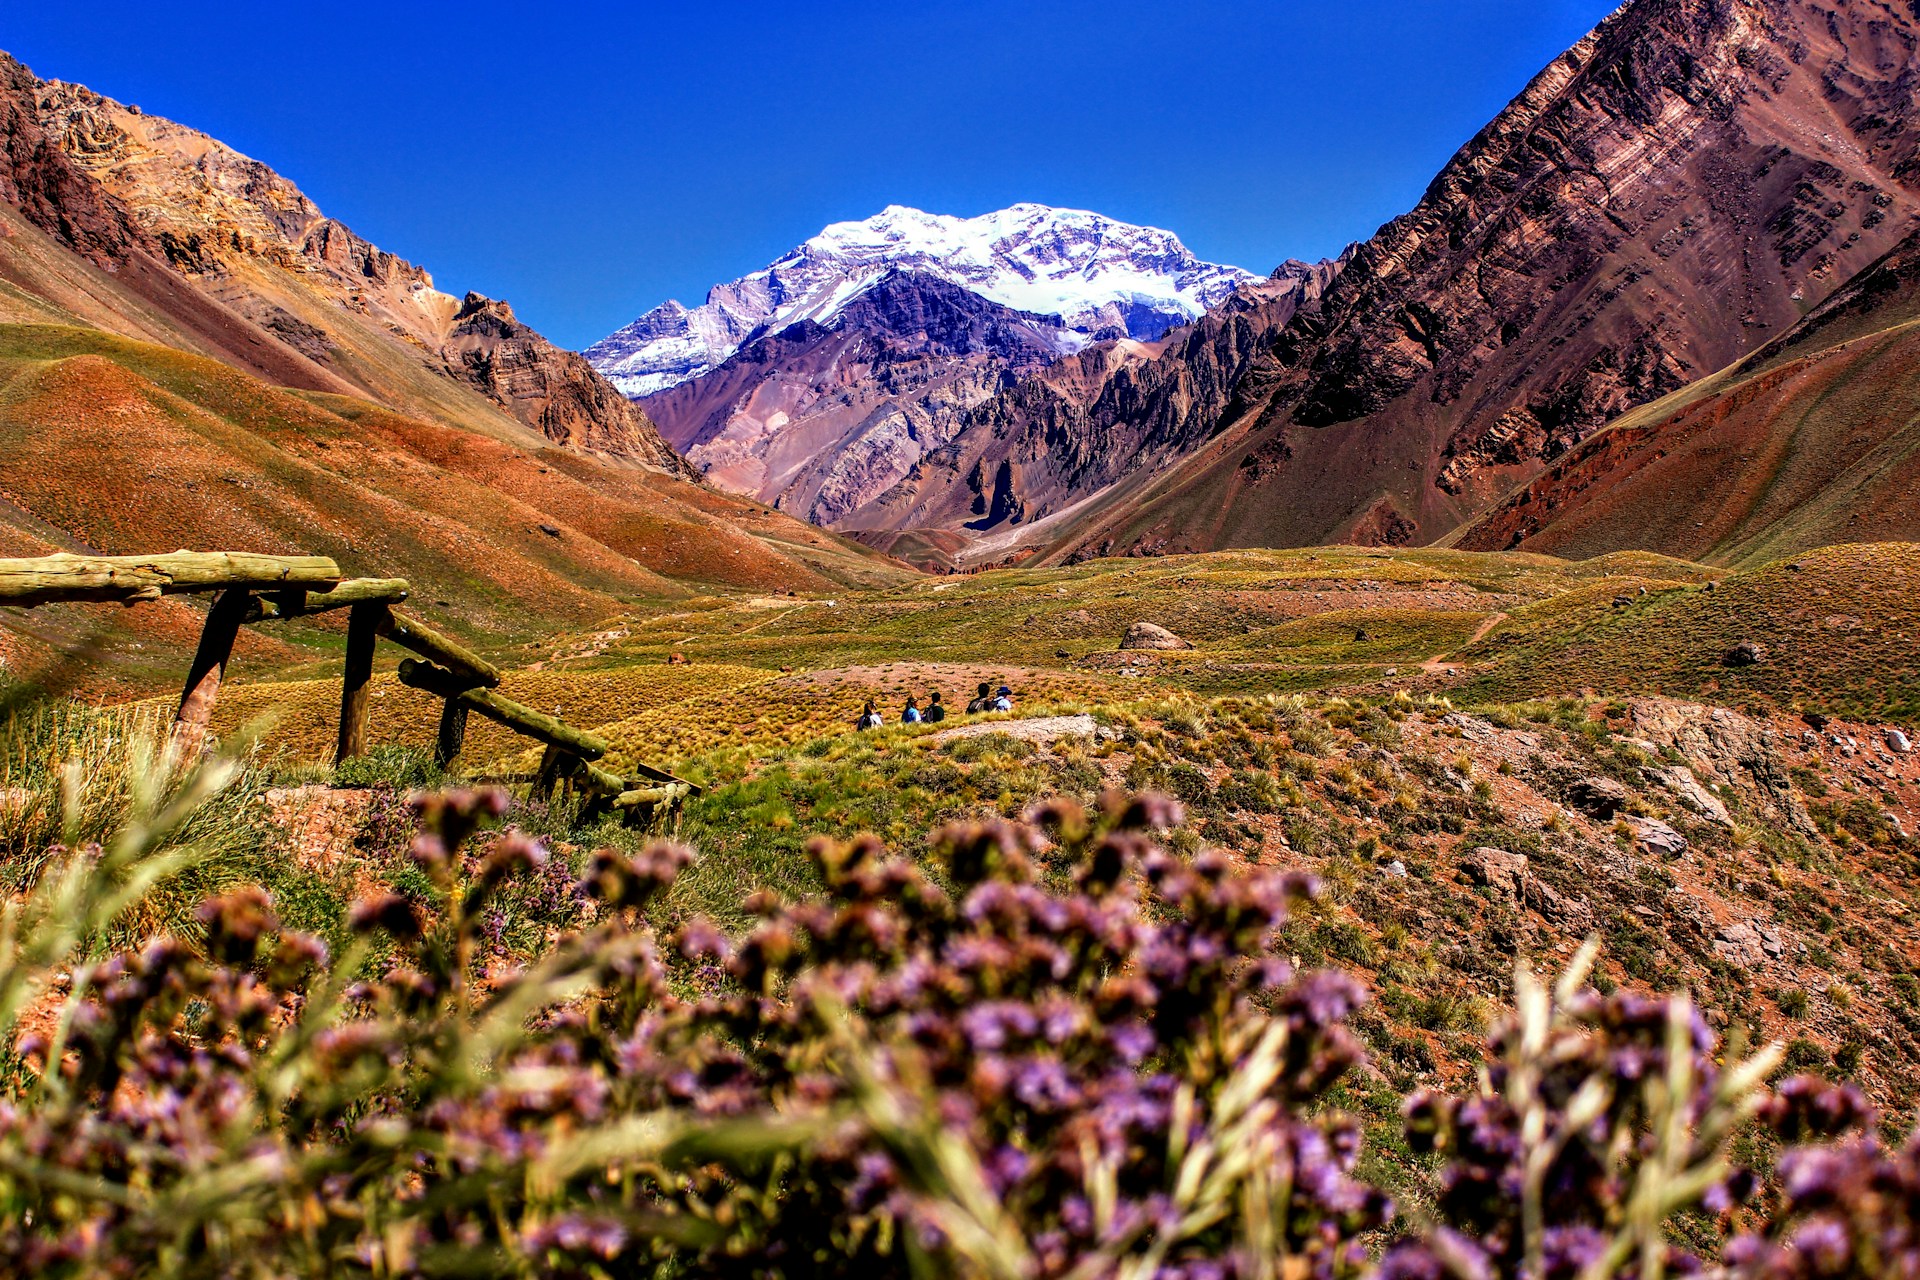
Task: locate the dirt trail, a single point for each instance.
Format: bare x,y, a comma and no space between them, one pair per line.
1437,664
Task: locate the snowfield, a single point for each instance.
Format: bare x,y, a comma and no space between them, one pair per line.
1100,277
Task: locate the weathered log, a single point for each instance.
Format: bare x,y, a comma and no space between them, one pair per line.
410,633
363,634
301,603
209,667
652,774
595,780
652,795
65,577
452,738
516,716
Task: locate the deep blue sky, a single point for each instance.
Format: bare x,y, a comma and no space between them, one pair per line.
588,160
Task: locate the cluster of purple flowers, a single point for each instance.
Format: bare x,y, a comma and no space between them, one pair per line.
1050,1048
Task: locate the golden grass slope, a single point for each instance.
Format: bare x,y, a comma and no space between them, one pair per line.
1837,628
121,446
1813,440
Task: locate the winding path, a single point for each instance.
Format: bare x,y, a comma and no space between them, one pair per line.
1437,664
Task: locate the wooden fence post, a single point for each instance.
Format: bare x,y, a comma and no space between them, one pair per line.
547,776
363,633
453,732
224,619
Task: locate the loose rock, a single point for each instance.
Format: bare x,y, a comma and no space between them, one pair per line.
1656,836
1747,943
1498,869
1597,797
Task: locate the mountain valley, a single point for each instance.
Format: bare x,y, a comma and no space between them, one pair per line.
1672,194
992,746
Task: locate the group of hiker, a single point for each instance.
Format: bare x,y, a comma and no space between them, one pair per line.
989,699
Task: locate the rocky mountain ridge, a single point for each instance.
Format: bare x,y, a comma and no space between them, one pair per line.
1663,198
821,417
1667,196
277,288
1100,277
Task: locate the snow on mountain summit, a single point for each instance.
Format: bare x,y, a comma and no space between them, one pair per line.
1102,278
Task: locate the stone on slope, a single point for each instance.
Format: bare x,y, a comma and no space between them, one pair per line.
1655,836
1497,869
1748,943
1150,635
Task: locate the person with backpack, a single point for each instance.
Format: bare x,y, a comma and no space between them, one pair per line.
912,713
983,702
869,718
936,710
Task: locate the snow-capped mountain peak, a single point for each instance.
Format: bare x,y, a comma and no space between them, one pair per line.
1099,276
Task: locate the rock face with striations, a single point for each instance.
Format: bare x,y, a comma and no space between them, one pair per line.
1117,410
1812,440
1665,197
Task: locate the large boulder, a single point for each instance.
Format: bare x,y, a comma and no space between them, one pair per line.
1498,869
1656,836
1148,635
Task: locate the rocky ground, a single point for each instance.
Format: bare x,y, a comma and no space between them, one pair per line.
1760,862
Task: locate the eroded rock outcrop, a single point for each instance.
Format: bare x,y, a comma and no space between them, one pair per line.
1151,635
1729,749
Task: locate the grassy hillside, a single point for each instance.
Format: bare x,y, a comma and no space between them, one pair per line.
121,447
1834,631
1814,439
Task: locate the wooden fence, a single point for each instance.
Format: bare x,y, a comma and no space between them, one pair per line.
250,588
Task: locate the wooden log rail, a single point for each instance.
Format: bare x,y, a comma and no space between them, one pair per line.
303,603
131,579
519,717
263,588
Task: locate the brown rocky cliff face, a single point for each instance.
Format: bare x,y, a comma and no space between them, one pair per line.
1664,198
554,390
